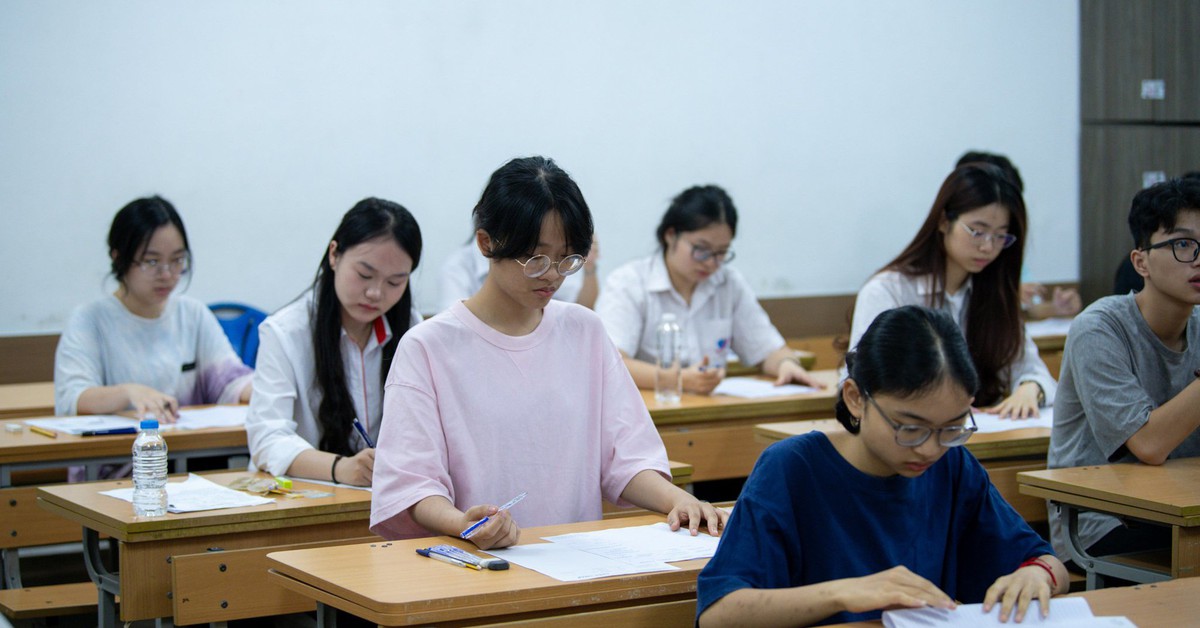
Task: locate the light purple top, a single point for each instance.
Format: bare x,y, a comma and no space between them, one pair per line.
477,417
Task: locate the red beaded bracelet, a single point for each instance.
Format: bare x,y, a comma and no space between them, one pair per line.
1037,562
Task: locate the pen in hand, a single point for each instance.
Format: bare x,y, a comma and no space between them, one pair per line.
362,431
466,534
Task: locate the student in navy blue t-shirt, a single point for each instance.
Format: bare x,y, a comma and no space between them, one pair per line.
891,513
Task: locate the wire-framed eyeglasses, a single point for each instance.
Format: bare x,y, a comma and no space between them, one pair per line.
702,254
915,435
1185,250
1003,240
538,265
176,266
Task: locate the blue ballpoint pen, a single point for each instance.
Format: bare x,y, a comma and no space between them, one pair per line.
110,432
363,432
466,534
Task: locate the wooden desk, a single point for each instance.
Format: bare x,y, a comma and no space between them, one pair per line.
1003,454
388,583
1168,495
26,400
716,433
154,551
1163,605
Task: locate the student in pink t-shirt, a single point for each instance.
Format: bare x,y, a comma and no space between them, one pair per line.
510,392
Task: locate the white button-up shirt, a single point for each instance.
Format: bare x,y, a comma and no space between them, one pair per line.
282,420
891,289
723,307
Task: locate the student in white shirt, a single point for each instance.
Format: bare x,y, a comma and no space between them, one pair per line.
144,348
323,357
465,270
966,260
689,276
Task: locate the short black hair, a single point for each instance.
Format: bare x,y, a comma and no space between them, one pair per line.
516,200
996,159
696,208
1158,206
134,225
908,351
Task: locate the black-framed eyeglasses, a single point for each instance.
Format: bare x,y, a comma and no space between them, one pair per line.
915,435
1185,250
537,265
703,254
1004,240
176,266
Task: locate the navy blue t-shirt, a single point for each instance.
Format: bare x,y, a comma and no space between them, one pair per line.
806,515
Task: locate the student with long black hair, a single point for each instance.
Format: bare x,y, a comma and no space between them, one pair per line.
966,260
512,392
891,512
322,358
145,348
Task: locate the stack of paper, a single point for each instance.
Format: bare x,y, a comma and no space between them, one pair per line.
195,494
215,416
754,388
993,423
1072,612
81,424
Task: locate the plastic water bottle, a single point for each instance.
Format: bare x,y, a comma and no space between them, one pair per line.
149,471
668,376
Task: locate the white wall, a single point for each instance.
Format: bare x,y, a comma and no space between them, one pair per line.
830,122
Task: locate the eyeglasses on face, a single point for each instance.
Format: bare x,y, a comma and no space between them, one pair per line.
1185,250
1003,240
915,435
537,265
176,266
702,254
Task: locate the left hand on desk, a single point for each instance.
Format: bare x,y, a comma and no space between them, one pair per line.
1022,404
692,511
1017,589
790,371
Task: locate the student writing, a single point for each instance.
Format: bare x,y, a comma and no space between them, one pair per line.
511,391
323,357
892,512
966,260
690,277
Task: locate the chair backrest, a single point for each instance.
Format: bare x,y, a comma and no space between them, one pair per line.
240,323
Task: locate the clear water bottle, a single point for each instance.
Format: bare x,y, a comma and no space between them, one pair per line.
149,471
668,376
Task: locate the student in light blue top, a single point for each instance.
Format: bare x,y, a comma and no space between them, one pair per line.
690,277
892,512
145,348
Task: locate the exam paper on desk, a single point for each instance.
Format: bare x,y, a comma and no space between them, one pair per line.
80,424
195,494
565,563
754,388
642,545
991,423
1072,612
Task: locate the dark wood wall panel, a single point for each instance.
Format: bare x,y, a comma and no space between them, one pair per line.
25,359
1116,54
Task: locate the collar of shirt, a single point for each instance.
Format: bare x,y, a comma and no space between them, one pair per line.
659,280
382,333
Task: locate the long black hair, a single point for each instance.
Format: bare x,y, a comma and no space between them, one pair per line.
369,219
906,352
516,200
134,225
696,208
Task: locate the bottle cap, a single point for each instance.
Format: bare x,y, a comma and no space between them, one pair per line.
668,316
149,424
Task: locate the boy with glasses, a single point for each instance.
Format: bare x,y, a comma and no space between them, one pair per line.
1130,386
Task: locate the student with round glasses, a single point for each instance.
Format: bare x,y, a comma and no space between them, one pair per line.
510,392
966,260
145,348
689,277
891,512
464,272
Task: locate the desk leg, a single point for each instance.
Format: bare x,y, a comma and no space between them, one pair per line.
1185,552
107,583
326,616
10,560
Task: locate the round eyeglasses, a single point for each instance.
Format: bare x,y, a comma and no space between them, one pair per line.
703,254
1185,250
537,265
1003,240
177,266
915,435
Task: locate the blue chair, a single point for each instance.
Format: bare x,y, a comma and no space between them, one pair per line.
240,323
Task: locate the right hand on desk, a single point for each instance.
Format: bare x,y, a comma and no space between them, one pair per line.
499,531
701,382
895,588
356,470
145,400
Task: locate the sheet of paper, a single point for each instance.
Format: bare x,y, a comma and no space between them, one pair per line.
195,494
1064,611
1048,327
81,424
754,388
989,423
642,545
565,563
215,416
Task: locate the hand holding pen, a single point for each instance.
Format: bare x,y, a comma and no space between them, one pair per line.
493,526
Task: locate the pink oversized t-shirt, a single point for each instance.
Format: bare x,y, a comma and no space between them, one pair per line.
477,417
